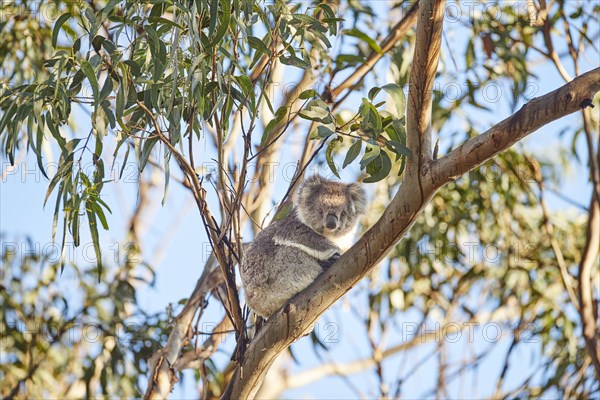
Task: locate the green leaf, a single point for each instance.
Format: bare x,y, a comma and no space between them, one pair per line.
330,18
38,148
64,234
469,54
382,171
102,203
95,237
329,156
134,67
322,38
59,23
89,73
316,114
124,162
245,84
279,115
107,89
99,213
364,37
258,45
324,131
109,7
294,61
147,146
397,95
167,169
371,153
97,42
120,102
76,45
352,153
373,92
212,21
56,210
224,23
317,110
398,148
371,123
153,38
64,170
307,94
348,59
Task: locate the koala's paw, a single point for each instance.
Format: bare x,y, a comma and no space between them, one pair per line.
329,262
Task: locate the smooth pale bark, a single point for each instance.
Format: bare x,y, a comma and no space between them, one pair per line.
422,77
538,112
589,316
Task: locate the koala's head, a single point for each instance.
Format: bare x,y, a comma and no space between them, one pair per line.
330,208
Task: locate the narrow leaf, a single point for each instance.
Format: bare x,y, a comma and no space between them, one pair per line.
258,45
397,95
89,73
59,23
386,167
95,237
329,156
363,36
352,153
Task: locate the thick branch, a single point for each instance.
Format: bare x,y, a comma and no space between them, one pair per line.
303,310
422,76
588,259
288,324
586,298
532,116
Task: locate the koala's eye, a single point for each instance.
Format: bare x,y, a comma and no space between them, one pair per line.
343,213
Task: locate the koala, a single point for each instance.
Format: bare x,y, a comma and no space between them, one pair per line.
289,254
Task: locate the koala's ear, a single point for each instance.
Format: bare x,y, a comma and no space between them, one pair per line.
313,180
306,188
358,197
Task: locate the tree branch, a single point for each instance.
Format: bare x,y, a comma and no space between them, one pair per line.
422,76
195,358
533,115
289,324
588,259
303,378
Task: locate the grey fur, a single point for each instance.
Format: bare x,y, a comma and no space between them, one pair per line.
289,254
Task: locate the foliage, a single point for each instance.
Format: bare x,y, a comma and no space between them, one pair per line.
89,339
491,249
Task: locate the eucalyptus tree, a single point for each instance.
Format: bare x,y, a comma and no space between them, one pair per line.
208,93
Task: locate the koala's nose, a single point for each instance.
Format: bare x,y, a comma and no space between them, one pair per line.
331,221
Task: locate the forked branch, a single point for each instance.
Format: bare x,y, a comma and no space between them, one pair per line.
287,325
